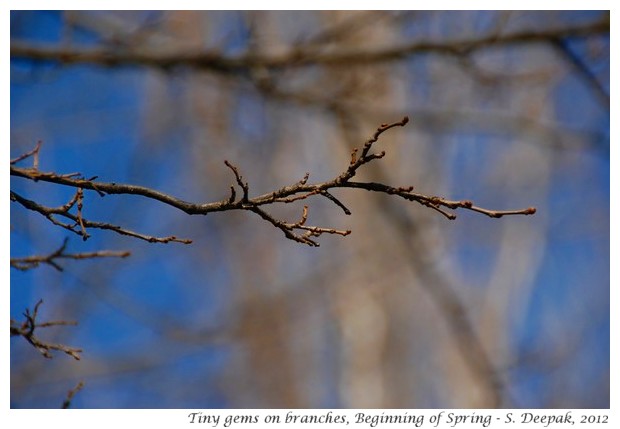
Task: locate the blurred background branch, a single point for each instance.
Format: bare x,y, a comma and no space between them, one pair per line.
26,330
300,55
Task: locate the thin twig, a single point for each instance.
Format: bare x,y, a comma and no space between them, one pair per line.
34,152
27,328
30,262
67,402
49,213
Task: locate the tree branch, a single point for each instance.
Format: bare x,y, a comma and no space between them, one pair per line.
70,394
297,57
30,262
26,330
288,194
79,221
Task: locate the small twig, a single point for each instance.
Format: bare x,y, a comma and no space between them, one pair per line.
30,262
80,205
49,213
289,228
27,327
67,402
34,152
243,185
364,158
336,201
65,208
436,202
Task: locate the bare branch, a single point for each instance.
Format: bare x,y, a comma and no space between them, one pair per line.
27,327
288,194
289,228
243,185
67,402
62,211
34,152
30,262
298,57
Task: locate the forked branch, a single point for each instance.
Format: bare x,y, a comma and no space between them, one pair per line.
27,328
30,262
297,231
